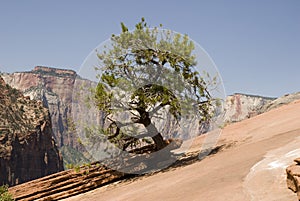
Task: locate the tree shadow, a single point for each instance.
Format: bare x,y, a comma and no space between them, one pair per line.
183,160
193,157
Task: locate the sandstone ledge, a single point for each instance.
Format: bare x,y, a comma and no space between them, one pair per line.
65,184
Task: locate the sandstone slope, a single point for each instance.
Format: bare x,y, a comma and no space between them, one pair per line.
251,168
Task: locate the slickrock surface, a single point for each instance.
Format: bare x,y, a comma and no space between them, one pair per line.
85,178
65,184
224,176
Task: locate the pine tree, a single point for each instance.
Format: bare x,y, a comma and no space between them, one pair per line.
144,71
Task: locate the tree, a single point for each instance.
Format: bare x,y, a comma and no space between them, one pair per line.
143,73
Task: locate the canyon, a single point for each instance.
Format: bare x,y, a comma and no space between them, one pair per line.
57,89
27,148
255,129
248,162
54,88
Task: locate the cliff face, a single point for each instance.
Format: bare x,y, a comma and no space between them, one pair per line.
54,87
242,106
27,148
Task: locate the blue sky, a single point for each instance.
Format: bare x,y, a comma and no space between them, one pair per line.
255,44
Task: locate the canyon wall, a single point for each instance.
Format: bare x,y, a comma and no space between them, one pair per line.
27,148
242,106
54,87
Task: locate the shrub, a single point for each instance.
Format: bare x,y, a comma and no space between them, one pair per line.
69,166
4,194
77,168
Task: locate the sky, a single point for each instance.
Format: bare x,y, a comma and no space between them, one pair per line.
255,44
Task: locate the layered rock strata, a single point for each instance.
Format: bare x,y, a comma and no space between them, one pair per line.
90,176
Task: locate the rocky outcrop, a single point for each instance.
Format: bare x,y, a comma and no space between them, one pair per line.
286,99
27,147
242,106
90,176
293,177
65,184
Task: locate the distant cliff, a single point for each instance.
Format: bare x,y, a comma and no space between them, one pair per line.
242,106
54,87
54,90
27,148
283,100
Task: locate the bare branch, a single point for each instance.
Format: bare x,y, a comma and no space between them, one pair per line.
119,124
152,112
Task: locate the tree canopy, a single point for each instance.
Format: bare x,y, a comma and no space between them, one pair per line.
144,73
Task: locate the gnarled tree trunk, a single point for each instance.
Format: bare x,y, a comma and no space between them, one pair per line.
156,136
151,129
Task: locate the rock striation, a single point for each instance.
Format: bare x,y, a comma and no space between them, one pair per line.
94,175
66,183
27,148
293,177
